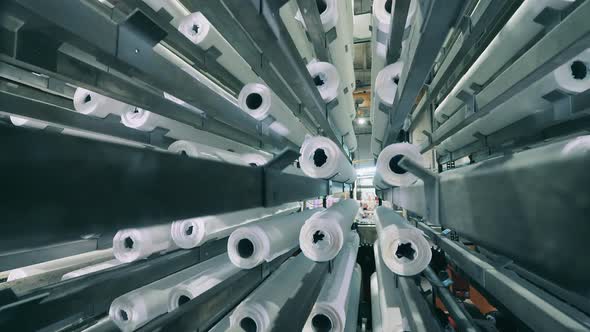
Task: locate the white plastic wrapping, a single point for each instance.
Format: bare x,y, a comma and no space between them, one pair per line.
334,15
260,309
329,313
136,308
388,173
520,29
196,150
190,233
375,304
327,80
384,92
136,243
390,314
404,249
324,234
260,102
250,245
59,264
296,30
91,103
572,77
254,159
352,308
322,159
91,269
202,33
211,273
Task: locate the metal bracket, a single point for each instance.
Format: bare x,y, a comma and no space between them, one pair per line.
549,18
431,187
283,159
384,108
563,104
331,36
470,102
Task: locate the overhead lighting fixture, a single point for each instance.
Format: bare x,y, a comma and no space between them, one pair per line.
361,121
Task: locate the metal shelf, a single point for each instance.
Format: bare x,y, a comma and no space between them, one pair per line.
64,187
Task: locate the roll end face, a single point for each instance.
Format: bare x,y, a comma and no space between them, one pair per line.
405,252
574,76
127,246
195,27
250,318
325,318
138,118
320,244
255,99
178,297
326,78
319,157
86,101
246,248
187,234
125,315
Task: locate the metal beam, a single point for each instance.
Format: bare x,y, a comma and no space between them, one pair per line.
415,308
532,305
428,34
566,40
52,182
315,29
133,53
70,301
397,23
527,206
264,26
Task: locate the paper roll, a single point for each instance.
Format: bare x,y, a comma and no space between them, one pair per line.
404,249
91,269
389,298
352,308
519,30
176,10
211,273
71,262
265,240
190,233
334,15
327,80
321,158
22,122
141,119
388,173
383,97
572,77
94,104
260,102
323,235
136,308
330,309
202,33
296,30
136,243
260,309
375,304
196,150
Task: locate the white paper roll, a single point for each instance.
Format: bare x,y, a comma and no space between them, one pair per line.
572,77
172,7
202,33
136,243
388,173
390,315
265,240
260,102
190,233
91,103
210,274
324,234
91,269
404,248
383,96
59,264
520,29
296,30
334,15
321,158
375,304
352,308
136,308
327,80
329,311
196,150
260,309
22,122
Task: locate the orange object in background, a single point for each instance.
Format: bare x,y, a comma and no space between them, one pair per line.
480,302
